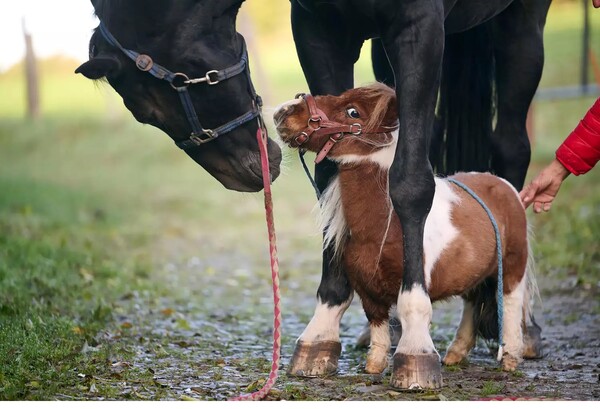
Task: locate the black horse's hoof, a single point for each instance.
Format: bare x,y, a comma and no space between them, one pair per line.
411,372
532,339
315,359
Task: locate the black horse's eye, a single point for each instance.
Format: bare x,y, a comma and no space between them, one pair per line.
352,113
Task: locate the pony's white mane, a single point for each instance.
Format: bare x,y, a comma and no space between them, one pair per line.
331,218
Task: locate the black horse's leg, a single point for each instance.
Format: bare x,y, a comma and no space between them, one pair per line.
328,69
519,53
415,46
381,65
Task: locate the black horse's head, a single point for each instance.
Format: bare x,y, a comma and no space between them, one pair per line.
191,37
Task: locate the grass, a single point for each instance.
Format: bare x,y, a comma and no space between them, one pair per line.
491,388
94,207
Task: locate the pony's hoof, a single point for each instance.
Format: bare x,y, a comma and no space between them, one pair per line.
364,339
416,371
315,359
452,358
532,338
510,363
376,366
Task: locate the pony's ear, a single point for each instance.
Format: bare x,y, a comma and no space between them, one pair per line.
98,67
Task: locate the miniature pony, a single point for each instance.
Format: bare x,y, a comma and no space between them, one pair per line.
358,130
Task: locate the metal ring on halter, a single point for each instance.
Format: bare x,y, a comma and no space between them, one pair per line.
317,120
359,129
180,81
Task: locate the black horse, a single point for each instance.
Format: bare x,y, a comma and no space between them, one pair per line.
452,62
198,41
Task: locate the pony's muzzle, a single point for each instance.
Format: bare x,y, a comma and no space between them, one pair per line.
283,112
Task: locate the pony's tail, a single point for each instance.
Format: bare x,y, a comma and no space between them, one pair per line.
462,135
485,307
532,293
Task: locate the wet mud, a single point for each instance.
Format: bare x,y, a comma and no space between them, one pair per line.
208,337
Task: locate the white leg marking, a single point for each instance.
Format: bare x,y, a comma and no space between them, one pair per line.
414,311
464,339
325,323
377,358
439,231
513,316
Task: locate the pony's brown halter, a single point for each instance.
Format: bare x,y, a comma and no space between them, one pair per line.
319,124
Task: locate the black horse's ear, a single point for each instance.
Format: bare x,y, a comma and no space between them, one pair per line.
98,67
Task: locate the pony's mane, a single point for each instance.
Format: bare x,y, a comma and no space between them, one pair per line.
386,100
331,218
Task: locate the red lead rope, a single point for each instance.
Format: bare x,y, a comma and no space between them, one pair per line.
261,136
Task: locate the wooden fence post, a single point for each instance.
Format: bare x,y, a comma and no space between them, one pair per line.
31,76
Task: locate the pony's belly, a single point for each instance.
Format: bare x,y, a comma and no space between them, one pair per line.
379,287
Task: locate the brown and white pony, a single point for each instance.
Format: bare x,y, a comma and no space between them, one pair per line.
459,242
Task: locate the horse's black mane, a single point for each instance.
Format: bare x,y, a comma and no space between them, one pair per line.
103,7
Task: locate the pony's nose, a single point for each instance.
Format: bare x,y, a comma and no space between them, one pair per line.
283,112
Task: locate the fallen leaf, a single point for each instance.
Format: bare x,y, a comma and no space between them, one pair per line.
126,325
167,312
87,276
34,384
183,324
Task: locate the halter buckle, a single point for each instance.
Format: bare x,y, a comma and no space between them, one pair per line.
211,81
299,141
207,135
143,62
359,126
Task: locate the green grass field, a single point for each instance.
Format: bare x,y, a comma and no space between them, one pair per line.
93,203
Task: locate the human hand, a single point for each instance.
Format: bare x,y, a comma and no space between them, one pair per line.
543,188
596,3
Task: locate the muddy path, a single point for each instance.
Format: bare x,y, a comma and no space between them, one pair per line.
207,336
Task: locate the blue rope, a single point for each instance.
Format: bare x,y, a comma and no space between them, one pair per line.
500,290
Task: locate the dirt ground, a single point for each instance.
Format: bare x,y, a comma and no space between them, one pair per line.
210,339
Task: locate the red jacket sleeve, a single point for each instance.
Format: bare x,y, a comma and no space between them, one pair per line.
581,150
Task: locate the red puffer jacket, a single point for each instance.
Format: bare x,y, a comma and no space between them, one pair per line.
581,150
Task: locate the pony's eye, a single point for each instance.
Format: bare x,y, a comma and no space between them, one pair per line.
352,113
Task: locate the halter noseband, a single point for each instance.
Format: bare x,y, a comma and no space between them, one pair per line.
180,82
319,124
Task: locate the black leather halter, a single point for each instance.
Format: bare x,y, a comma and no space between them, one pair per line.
180,83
